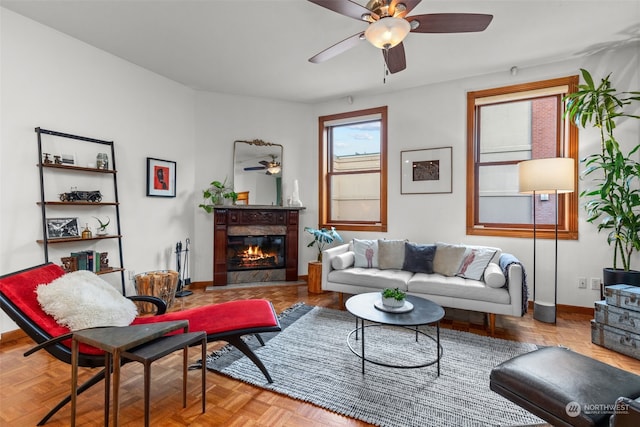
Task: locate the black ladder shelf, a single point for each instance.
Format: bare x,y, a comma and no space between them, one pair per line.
44,204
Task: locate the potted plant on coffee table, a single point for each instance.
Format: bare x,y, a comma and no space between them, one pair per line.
614,199
393,298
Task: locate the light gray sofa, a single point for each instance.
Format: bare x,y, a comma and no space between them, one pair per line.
498,288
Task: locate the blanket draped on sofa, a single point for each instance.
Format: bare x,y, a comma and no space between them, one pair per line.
506,261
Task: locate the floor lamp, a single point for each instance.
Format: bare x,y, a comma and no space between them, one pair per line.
543,176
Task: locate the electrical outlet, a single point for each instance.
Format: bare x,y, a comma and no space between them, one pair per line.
582,282
595,283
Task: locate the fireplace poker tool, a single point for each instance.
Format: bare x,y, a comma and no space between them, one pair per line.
180,292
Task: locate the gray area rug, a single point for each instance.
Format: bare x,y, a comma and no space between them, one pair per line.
311,361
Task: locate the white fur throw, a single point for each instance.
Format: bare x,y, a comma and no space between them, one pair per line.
81,299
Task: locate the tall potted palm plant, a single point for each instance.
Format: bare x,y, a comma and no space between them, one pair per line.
613,202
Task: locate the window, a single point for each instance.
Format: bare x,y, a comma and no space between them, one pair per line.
504,127
353,170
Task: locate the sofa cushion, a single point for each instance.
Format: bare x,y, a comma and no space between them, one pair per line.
448,258
371,277
496,256
456,287
342,261
493,276
418,258
474,263
366,253
391,254
81,299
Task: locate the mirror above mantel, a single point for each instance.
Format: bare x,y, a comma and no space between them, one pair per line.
257,171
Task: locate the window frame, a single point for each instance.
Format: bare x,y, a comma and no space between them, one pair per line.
567,203
324,176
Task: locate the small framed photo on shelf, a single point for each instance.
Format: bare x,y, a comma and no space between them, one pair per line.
60,228
426,171
161,178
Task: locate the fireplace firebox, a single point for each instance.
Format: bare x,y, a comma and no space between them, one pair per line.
253,243
255,252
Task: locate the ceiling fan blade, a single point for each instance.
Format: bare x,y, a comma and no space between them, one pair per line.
264,162
337,48
450,22
255,168
344,7
409,6
395,58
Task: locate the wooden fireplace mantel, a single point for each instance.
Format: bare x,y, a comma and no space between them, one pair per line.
226,217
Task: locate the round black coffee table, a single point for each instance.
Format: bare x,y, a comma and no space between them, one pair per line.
424,312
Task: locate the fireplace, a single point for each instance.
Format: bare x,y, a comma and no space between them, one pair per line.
255,252
253,243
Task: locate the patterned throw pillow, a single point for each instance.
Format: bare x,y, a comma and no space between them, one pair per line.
419,258
390,254
366,253
474,263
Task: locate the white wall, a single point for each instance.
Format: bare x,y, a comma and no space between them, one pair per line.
56,82
435,116
222,119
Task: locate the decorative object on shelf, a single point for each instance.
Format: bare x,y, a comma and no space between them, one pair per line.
60,228
46,160
81,196
102,228
322,237
104,261
102,161
393,298
295,195
86,232
69,263
543,176
161,178
68,159
216,194
426,171
613,200
57,160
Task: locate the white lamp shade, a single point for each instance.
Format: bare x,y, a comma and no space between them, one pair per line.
556,174
387,32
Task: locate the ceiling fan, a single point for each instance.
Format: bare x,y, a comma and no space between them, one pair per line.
272,167
389,25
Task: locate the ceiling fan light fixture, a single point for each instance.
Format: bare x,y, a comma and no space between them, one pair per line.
387,32
274,169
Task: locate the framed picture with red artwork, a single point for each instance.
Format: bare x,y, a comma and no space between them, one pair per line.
161,178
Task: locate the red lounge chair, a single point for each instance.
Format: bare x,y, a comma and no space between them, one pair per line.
222,322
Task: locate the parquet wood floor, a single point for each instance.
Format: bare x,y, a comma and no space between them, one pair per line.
29,387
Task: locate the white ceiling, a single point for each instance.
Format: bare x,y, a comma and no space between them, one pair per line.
261,47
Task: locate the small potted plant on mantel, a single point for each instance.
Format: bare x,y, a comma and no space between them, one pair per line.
216,194
321,238
393,298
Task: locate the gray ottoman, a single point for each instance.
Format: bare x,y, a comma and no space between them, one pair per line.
564,388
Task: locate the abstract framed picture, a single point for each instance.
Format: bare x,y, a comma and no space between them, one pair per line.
161,178
426,171
62,228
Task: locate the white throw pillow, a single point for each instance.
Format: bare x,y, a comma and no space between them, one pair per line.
493,276
448,258
474,263
342,261
81,299
366,252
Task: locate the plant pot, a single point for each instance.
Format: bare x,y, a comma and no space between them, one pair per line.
392,302
615,276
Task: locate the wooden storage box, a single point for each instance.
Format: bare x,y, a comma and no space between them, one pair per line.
623,296
615,339
617,317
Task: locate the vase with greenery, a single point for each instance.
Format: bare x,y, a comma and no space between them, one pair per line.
102,228
394,298
322,237
613,201
216,194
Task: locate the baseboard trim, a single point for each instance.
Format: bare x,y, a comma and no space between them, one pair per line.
570,309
